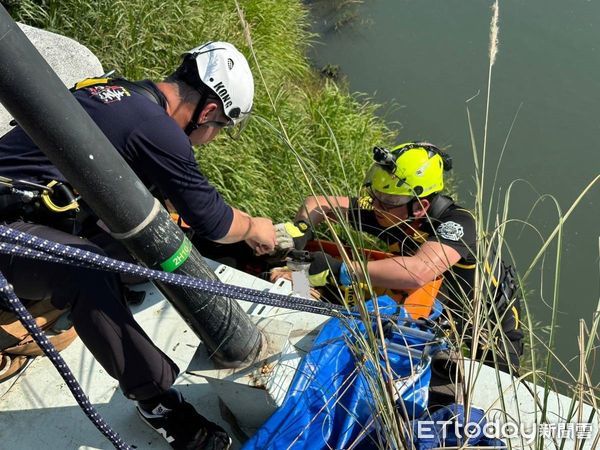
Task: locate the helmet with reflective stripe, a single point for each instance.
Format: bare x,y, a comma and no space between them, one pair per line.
221,67
412,169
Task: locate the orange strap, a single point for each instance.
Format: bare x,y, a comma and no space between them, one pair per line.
179,221
420,301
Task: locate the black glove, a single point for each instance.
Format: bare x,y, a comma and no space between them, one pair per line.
324,269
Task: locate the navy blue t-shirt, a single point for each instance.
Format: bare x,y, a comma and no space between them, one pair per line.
153,145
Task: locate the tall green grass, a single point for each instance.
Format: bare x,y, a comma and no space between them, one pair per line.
258,173
493,214
309,136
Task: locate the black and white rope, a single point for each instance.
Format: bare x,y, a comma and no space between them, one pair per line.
13,242
11,301
16,243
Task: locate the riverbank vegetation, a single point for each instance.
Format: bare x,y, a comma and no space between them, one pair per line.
309,134
331,130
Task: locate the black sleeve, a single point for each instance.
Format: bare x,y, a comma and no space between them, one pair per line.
456,229
362,218
163,153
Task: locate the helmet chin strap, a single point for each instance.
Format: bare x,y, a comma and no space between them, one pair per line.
410,218
193,123
407,224
410,208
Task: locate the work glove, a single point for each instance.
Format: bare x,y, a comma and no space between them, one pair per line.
325,269
292,235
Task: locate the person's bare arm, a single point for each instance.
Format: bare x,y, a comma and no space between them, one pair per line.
411,272
258,232
316,208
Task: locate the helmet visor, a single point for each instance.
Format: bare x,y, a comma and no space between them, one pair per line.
388,200
385,187
234,129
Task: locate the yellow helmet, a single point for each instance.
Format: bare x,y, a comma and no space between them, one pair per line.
413,169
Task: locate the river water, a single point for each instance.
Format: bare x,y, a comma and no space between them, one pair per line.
428,57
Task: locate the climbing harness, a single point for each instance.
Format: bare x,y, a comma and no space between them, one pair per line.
21,197
55,203
138,87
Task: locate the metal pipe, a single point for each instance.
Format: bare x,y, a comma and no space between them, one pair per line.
34,95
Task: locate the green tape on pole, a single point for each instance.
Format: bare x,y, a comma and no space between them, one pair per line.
179,257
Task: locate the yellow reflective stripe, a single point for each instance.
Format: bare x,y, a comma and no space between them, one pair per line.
90,81
319,279
489,270
293,230
516,314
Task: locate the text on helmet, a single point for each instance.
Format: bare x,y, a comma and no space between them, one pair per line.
221,91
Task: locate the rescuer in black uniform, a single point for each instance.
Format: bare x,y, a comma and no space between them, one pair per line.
153,127
428,234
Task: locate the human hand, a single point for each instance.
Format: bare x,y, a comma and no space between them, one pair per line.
280,272
293,235
261,235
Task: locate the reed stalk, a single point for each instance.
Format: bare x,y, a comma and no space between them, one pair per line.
312,137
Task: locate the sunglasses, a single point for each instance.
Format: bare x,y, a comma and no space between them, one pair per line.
232,129
390,202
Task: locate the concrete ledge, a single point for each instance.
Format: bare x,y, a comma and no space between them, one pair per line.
69,59
253,393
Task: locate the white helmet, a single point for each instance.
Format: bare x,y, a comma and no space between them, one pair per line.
225,71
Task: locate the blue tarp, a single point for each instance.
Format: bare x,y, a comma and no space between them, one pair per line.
330,403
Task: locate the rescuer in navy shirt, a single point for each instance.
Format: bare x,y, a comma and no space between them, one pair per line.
153,127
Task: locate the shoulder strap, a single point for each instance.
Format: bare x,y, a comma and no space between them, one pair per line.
438,206
140,88
135,86
88,82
